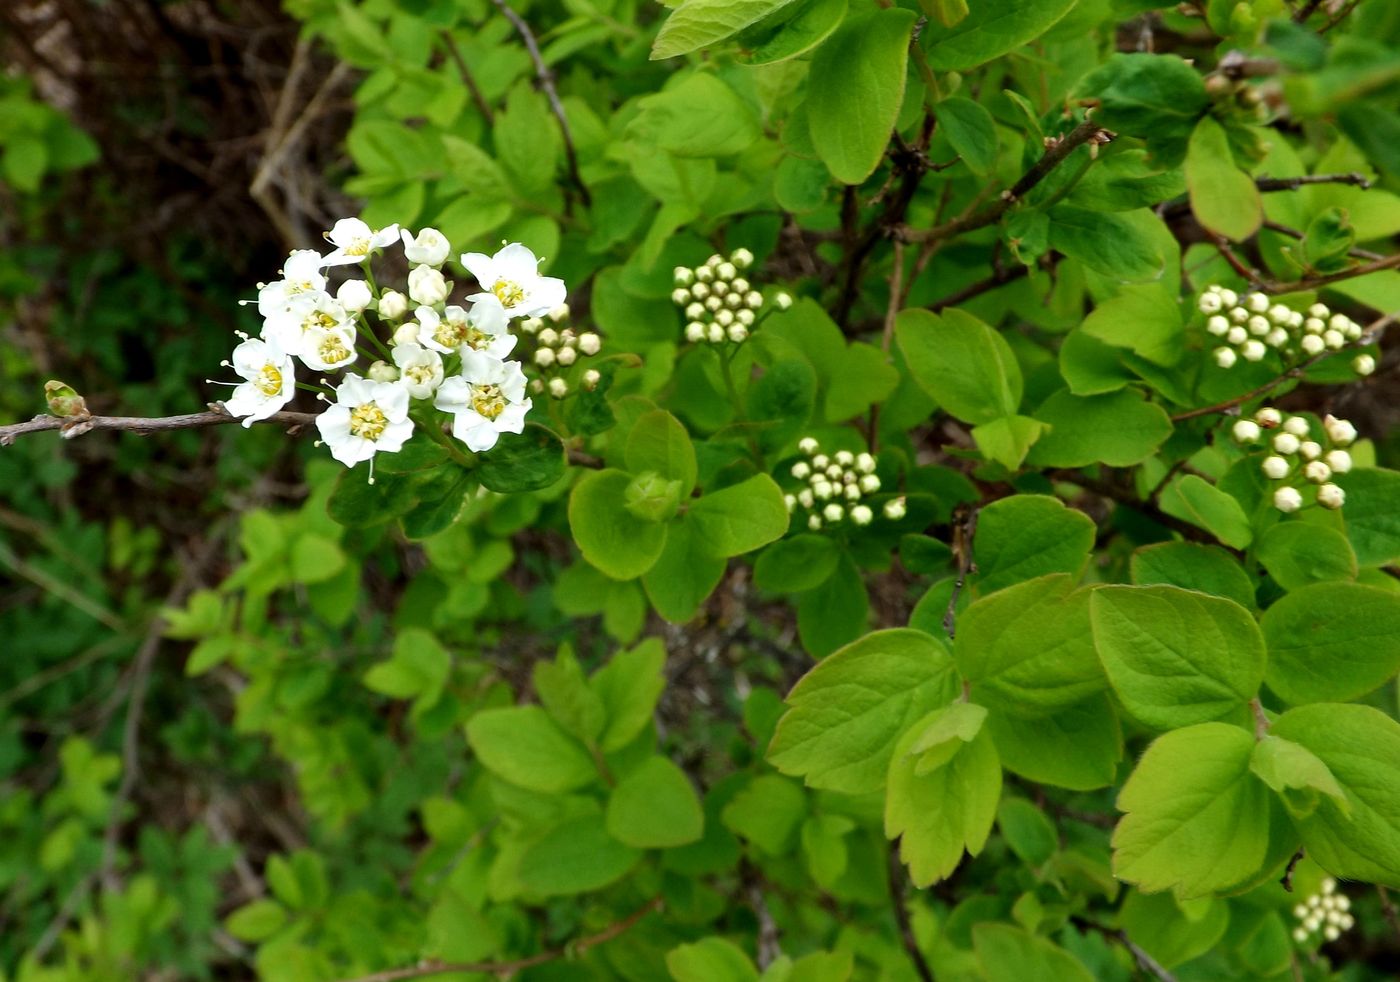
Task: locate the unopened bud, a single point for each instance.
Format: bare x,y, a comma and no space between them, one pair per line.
382,371
63,399
558,388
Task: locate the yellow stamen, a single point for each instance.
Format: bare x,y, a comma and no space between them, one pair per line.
488,400
368,421
333,350
508,293
269,380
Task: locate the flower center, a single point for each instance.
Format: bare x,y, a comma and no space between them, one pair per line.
357,247
452,333
269,380
488,400
508,293
368,421
420,374
332,349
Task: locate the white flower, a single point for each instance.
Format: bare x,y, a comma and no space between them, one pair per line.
392,305
290,328
427,286
354,295
366,418
1363,364
512,277
486,400
483,328
1339,461
1288,499
1275,468
326,349
1331,496
1246,431
420,369
430,247
270,384
354,241
301,274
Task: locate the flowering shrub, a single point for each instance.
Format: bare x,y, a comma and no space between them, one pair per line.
877,506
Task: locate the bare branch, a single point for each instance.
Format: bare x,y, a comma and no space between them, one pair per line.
901,916
71,426
1294,183
469,80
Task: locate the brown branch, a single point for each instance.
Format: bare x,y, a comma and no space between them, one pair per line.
999,278
1145,961
1317,282
546,80
1306,11
455,53
901,915
71,426
1055,154
887,336
578,947
1286,881
1339,16
1294,183
964,530
1292,232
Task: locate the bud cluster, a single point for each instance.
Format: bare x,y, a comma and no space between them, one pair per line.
1298,457
556,349
836,486
1249,326
1325,912
719,302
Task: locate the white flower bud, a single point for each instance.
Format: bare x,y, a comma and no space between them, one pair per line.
869,483
865,463
833,512
719,288
782,300
1236,335
544,357
354,295
1363,365
1310,449
744,317
704,274
724,317
1316,471
1239,315
695,310
1300,912
1296,425
740,285
1295,320
1331,496
834,472
1257,302
1286,443
1224,357
822,489
1331,933
1229,297
683,276
1218,326
1276,338
741,257
1334,339
536,386
382,371
559,313
1280,314
1258,326
531,325
700,290
1319,310
814,522
558,388
1209,303
1339,431
726,271
1254,350
589,343
680,297
821,461
426,285
754,299
549,337
1288,500
714,260
567,356
1300,935
1274,468
1312,344
806,498
844,457
407,333
715,334
695,332
392,305
734,300
1246,431
1268,417
713,303
1340,462
807,445
1343,902
738,333
1314,325
791,502
895,509
852,492
862,515
801,470
430,247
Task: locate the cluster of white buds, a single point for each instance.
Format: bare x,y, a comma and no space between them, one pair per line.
836,486
1249,326
455,358
1326,912
557,349
1298,456
720,304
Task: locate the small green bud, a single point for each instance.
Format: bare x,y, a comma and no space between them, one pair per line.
63,400
652,498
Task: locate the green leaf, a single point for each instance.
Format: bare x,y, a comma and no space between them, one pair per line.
1158,924
802,562
610,537
1361,747
1031,836
1156,97
527,139
1028,535
699,116
939,814
655,807
1224,198
522,745
836,612
1196,818
845,715
685,574
855,89
629,685
1118,245
943,733
419,667
1009,954
1077,748
315,558
566,696
824,847
740,518
1332,642
576,857
355,503
256,921
966,366
1372,520
710,960
25,160
1144,318
1176,657
791,31
523,461
1299,553
1029,647
700,23
991,29
767,813
1193,566
658,442
1286,766
1329,238
1195,500
1007,440
970,131
1120,429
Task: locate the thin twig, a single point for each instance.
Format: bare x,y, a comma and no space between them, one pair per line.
1286,881
546,80
1339,16
964,530
1145,961
1292,232
578,947
72,426
1316,282
1306,11
901,915
455,53
1294,183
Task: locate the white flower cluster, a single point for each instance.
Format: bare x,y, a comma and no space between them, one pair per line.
836,483
1295,456
719,303
452,356
1325,912
557,349
1250,325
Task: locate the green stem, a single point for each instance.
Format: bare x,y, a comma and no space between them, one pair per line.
726,355
434,430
